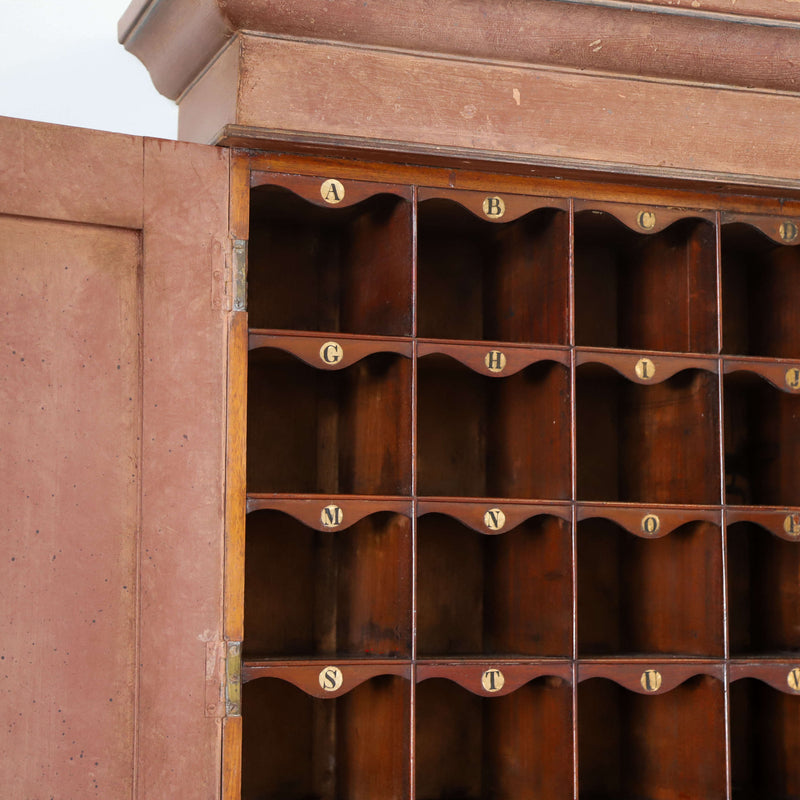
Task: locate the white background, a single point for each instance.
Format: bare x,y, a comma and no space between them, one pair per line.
60,62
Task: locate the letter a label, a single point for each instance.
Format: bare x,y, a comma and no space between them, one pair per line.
332,191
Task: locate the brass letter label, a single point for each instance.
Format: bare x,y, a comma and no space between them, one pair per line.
646,220
332,191
331,516
494,519
330,679
495,361
494,207
793,679
788,231
791,524
645,369
492,680
650,524
651,680
331,352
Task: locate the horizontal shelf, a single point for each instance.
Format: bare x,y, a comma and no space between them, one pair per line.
493,359
324,678
328,351
648,521
491,515
329,512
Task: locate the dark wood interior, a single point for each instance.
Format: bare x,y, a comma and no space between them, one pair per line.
645,291
760,294
475,747
333,269
482,436
647,444
763,592
531,505
623,583
497,281
765,740
337,432
297,747
329,594
506,594
669,746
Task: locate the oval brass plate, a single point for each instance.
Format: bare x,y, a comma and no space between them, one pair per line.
791,524
651,680
645,369
650,524
792,378
788,231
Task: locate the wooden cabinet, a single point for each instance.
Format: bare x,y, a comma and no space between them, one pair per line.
522,508
509,506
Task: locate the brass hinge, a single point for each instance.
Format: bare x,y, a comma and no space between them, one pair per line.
233,680
239,274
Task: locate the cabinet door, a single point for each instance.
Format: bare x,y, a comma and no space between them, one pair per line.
112,401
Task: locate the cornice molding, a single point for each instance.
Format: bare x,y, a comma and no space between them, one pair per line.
737,43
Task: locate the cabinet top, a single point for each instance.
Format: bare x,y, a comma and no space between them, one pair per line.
696,40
